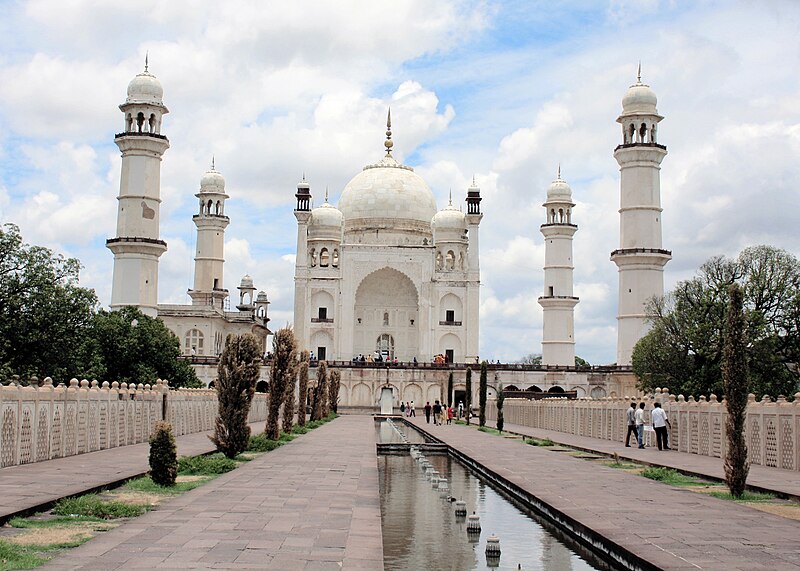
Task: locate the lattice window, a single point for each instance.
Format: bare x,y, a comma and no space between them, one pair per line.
138,432
82,428
42,436
787,445
130,422
69,444
93,427
771,445
26,438
704,437
55,437
755,442
716,438
103,426
8,439
683,441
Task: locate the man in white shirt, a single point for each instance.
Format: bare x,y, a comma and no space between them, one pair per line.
640,425
660,424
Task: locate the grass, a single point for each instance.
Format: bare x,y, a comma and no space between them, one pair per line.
539,442
26,523
260,443
488,430
622,465
92,506
19,557
669,476
145,484
211,465
746,496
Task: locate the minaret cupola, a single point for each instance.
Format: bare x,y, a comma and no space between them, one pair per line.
144,107
639,118
303,196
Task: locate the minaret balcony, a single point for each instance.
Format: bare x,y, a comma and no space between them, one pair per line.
133,244
641,145
558,301
140,134
641,256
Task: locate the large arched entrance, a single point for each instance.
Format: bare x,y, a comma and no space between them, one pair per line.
386,316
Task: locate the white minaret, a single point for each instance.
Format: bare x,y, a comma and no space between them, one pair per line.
210,256
302,295
474,217
640,257
558,303
137,246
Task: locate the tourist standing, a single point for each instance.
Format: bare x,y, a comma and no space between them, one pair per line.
402,407
411,411
631,416
428,412
450,414
660,424
437,412
640,425
460,409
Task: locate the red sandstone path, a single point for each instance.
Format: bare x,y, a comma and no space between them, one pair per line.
672,528
312,504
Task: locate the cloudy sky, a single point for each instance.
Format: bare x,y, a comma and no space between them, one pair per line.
502,90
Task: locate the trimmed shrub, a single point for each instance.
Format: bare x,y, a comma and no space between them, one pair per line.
302,388
260,443
205,465
282,372
163,455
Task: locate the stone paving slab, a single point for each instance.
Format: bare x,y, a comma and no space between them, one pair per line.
30,486
784,482
312,504
672,528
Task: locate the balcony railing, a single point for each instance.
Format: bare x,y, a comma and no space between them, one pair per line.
454,323
321,320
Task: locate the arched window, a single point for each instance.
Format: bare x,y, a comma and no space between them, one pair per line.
450,261
208,206
386,318
129,123
561,215
335,258
552,216
193,342
642,133
653,133
385,346
218,208
201,207
555,389
324,258
139,121
312,254
631,133
438,260
152,123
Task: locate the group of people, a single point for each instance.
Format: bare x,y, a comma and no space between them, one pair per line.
375,357
636,424
440,413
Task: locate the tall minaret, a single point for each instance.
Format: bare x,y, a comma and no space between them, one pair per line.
558,303
137,246
210,256
640,257
474,217
302,295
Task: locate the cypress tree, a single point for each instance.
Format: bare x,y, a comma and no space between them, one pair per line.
500,399
237,373
288,402
284,361
450,389
302,388
320,392
482,390
333,391
735,375
468,396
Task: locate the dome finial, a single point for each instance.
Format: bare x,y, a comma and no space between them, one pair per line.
451,196
559,170
146,57
639,73
212,162
388,143
326,194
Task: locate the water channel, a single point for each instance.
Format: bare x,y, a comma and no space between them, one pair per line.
422,532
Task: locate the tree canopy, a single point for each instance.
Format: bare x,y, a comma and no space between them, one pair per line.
50,326
684,349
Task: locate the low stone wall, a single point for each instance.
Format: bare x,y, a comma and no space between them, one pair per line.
41,423
698,426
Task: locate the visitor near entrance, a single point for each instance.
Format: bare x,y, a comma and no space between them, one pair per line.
411,411
437,413
460,409
450,414
660,424
402,407
640,425
428,412
631,416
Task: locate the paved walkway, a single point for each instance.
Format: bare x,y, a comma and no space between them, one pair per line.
33,487
784,482
310,505
672,528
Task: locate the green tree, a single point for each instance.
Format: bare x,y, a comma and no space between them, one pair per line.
468,396
288,402
734,370
237,374
334,383
129,346
483,388
320,392
450,388
531,359
684,349
501,397
44,313
302,388
580,362
163,456
284,361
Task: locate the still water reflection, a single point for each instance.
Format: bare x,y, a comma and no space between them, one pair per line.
421,532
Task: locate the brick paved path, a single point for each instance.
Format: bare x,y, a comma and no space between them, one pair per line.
786,482
672,528
310,505
28,487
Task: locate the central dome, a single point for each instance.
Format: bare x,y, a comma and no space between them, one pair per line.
387,195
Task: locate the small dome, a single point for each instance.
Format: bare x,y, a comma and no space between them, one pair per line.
449,218
262,297
247,283
639,100
145,88
559,190
212,181
326,215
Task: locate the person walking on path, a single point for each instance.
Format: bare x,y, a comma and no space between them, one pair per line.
411,411
660,424
437,412
460,409
402,408
640,425
450,414
428,412
630,414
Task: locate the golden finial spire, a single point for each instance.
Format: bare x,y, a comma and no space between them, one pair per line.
388,143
